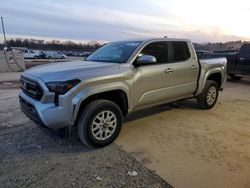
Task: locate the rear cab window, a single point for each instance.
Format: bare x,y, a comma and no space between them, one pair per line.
178,51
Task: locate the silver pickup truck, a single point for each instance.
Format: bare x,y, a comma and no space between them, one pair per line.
119,78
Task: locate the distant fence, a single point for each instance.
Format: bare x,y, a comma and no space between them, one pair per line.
11,61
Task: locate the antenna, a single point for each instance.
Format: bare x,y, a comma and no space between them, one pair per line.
5,41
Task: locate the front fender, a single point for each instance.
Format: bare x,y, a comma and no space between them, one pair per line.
92,90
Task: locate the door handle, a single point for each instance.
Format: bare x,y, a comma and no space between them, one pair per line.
193,67
242,59
168,70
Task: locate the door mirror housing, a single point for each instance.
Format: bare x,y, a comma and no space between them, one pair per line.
145,60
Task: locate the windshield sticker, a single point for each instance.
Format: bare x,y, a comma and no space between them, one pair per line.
133,44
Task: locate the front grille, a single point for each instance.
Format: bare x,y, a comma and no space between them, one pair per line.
31,88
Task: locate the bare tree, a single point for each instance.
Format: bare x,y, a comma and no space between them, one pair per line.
52,45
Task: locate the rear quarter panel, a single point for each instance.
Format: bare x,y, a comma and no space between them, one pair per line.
209,67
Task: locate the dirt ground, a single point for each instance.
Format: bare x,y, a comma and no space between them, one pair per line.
184,145
194,148
33,157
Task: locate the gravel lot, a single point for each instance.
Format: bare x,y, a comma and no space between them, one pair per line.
33,157
189,147
185,146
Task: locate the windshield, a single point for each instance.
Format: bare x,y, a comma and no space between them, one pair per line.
115,52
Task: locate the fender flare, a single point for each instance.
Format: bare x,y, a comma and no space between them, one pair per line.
92,90
204,79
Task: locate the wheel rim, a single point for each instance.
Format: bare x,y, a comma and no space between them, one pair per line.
104,125
211,95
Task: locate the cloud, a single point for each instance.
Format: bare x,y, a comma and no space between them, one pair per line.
114,20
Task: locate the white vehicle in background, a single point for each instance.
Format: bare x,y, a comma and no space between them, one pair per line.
31,54
28,53
55,55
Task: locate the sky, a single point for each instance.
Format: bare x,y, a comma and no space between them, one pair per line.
110,20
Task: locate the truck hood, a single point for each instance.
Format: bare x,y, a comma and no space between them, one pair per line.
71,70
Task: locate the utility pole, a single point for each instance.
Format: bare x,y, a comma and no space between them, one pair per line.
5,41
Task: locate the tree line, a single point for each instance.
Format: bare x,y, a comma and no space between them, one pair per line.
93,45
52,45
219,46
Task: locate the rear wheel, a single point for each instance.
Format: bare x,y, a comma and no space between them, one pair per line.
99,123
208,98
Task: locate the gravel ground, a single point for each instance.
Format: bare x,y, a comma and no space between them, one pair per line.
184,145
34,157
190,147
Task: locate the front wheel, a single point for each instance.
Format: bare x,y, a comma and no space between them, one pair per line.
99,123
208,98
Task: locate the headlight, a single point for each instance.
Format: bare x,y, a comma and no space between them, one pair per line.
61,87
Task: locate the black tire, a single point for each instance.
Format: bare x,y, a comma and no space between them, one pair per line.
234,77
36,57
203,101
87,117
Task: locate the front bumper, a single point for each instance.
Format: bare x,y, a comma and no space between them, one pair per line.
46,114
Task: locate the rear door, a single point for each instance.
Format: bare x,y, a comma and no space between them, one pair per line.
243,66
185,69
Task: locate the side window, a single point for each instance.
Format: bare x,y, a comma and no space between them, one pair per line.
178,51
245,51
157,49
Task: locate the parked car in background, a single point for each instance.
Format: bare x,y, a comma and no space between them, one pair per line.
55,55
32,54
238,61
28,53
42,55
70,53
78,53
60,55
86,54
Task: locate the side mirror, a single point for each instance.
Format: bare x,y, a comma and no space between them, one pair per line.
145,60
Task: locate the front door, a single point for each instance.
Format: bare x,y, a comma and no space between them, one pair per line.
174,76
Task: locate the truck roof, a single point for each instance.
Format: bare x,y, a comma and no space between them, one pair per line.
154,39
